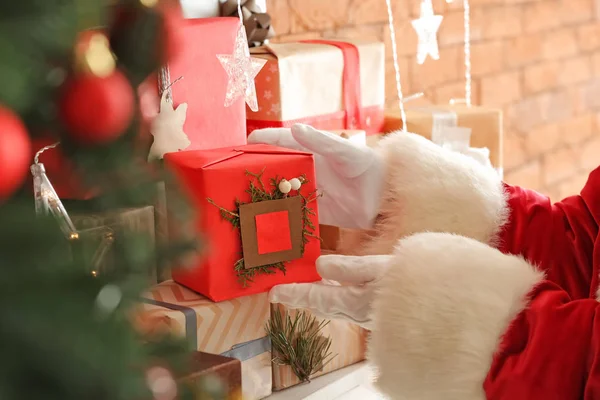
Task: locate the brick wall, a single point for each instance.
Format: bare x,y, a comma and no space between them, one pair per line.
538,60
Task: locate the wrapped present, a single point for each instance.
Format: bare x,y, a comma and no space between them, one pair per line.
257,210
327,84
332,345
222,374
437,123
233,328
200,9
100,232
202,86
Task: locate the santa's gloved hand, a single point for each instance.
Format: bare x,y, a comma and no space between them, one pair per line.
346,292
349,176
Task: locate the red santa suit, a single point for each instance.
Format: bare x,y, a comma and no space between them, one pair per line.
501,303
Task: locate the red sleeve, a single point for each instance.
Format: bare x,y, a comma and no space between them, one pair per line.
559,238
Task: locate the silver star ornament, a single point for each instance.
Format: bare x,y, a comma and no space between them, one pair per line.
427,27
241,70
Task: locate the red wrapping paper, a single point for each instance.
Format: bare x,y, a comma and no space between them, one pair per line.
220,175
209,124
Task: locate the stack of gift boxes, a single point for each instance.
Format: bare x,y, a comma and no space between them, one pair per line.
256,205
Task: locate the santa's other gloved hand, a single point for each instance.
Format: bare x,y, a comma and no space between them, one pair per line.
349,176
346,292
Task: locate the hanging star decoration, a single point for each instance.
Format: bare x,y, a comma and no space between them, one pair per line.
241,70
427,27
167,129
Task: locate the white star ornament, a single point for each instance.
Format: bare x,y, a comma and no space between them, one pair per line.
427,27
241,70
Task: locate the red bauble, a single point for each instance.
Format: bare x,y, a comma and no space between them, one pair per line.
97,110
15,152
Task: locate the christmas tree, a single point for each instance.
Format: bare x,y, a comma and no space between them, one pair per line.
68,73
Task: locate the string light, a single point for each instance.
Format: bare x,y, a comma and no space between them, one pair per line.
396,65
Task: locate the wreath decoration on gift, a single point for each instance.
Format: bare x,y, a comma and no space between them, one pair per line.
279,189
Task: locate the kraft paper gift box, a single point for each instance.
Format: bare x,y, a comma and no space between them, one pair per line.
208,124
348,346
485,124
233,328
116,224
226,372
270,242
324,83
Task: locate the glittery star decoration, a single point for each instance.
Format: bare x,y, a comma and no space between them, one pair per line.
427,27
241,70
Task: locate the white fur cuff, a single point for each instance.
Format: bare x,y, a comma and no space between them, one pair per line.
440,313
429,188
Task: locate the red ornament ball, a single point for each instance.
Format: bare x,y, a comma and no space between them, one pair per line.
15,152
97,110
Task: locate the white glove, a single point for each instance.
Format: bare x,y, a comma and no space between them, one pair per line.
346,292
349,176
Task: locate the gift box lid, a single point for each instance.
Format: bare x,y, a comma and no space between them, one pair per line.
202,159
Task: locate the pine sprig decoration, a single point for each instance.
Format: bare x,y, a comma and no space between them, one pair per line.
298,342
258,192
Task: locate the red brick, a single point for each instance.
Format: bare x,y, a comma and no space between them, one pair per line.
559,165
406,39
487,57
556,106
591,94
540,77
435,72
575,70
588,154
528,175
365,32
452,29
444,93
405,65
501,22
280,16
523,50
578,129
368,12
542,15
513,150
542,139
560,43
497,90
577,11
596,64
309,15
525,114
588,36
294,37
572,186
576,99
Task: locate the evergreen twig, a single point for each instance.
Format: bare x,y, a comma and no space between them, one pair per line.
298,342
259,192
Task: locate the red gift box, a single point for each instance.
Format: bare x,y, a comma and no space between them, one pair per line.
209,124
214,181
